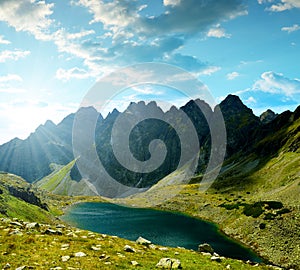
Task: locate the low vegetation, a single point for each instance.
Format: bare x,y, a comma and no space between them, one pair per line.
42,246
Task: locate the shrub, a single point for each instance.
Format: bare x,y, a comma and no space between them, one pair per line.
273,204
262,226
283,211
253,210
230,206
269,216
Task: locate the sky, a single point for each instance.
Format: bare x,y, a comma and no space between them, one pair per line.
52,52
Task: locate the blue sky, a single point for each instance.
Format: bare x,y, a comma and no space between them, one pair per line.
52,52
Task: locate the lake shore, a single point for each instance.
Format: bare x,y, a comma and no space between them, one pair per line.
271,243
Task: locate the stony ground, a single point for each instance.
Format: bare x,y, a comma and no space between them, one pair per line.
25,245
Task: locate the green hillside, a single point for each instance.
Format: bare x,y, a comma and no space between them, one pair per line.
60,182
18,201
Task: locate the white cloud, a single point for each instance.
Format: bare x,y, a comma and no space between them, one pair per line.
218,32
128,36
251,100
27,15
281,5
208,71
291,29
33,16
11,90
146,90
10,77
232,75
10,84
109,13
73,73
79,35
171,2
12,55
61,39
4,41
272,82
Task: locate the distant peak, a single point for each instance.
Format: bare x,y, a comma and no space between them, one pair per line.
267,116
232,99
49,124
115,111
87,109
112,114
152,104
233,102
141,103
173,109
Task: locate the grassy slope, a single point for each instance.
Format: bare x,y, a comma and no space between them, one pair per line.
59,182
16,208
38,250
13,207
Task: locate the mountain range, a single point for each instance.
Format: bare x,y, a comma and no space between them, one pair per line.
46,156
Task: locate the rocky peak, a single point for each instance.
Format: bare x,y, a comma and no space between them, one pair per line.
297,113
49,124
145,109
267,116
233,103
112,115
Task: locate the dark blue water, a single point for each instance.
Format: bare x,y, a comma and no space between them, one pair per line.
163,228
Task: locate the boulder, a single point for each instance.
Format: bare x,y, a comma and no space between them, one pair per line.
135,263
152,246
33,225
128,248
80,254
104,257
21,267
7,266
16,223
206,248
54,232
65,258
169,263
95,248
216,259
143,241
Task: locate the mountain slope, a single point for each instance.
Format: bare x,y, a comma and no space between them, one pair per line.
31,158
255,199
19,200
60,182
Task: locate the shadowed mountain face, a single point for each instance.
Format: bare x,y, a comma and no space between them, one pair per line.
50,143
31,158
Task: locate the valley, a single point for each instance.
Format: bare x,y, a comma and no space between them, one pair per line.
254,200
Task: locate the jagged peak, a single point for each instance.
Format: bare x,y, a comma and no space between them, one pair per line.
232,100
49,124
267,116
13,141
152,104
233,103
88,108
297,113
112,114
173,109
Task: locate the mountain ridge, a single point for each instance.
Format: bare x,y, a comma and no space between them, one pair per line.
52,143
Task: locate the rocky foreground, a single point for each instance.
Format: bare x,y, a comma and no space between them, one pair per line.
30,245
